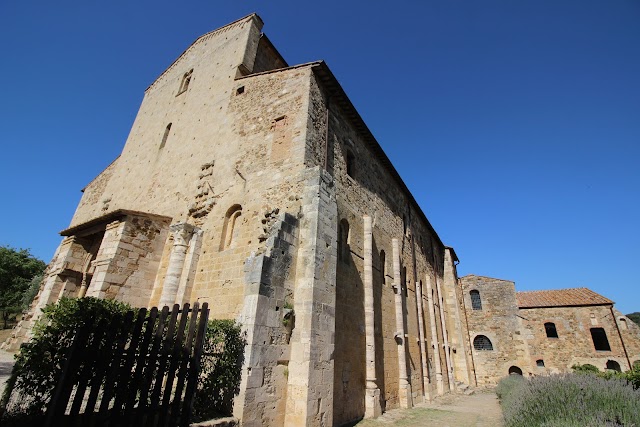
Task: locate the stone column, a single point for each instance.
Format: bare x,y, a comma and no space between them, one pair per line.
181,235
434,336
372,406
445,335
426,383
404,388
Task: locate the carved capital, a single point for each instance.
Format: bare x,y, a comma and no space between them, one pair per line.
181,233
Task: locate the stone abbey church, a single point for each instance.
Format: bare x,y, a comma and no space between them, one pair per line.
256,186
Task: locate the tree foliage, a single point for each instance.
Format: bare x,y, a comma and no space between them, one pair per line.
635,317
18,267
222,358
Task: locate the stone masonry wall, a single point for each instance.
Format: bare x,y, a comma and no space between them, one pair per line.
370,190
497,320
574,344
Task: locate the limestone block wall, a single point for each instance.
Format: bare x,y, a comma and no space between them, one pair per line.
630,332
364,186
179,128
127,261
498,321
460,351
574,344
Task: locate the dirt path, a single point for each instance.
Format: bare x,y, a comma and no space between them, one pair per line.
6,364
480,409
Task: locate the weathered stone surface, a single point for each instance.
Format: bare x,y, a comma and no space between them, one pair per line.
257,187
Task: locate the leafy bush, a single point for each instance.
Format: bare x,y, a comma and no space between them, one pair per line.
571,400
632,376
40,361
585,369
222,359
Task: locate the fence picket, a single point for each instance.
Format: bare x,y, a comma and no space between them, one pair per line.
185,363
192,376
146,361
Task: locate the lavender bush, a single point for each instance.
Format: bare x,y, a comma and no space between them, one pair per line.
570,400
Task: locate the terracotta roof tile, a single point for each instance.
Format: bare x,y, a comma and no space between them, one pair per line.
560,298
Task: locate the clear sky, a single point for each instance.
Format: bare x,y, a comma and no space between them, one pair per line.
516,124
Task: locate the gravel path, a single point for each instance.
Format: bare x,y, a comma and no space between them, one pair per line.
480,410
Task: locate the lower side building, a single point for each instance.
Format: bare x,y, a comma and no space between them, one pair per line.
544,332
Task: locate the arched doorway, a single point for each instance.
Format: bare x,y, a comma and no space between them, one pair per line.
514,370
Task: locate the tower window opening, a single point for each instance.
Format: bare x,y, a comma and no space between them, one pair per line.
482,343
350,163
186,79
165,136
476,301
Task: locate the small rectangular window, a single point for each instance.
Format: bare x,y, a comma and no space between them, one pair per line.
600,341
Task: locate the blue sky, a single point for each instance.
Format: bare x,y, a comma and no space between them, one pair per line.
516,124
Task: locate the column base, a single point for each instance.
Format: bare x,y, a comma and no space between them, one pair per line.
404,393
372,407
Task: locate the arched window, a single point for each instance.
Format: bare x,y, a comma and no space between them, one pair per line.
229,228
550,329
383,261
476,302
540,363
623,323
165,136
184,84
350,163
613,365
600,341
343,241
514,370
482,343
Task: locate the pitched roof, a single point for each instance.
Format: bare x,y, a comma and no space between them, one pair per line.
560,298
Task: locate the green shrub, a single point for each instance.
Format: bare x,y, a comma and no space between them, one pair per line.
222,359
632,376
41,360
585,369
572,400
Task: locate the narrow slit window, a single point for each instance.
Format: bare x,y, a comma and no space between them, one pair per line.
383,261
550,329
350,163
476,302
186,79
600,341
623,323
165,136
343,241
